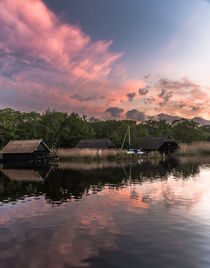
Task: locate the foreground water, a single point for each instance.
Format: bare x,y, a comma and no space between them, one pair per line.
152,214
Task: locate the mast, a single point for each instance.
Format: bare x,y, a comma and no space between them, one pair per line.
129,135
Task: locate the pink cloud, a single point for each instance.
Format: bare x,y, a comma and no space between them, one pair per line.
45,57
38,35
46,62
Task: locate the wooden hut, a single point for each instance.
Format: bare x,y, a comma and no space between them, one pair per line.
25,150
160,144
95,144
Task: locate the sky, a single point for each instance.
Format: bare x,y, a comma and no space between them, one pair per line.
122,59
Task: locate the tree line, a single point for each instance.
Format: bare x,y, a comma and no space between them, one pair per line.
62,130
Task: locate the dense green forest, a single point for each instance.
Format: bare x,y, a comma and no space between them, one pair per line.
61,130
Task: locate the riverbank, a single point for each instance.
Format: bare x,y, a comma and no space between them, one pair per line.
192,149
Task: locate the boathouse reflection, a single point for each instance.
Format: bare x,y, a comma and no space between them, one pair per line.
62,184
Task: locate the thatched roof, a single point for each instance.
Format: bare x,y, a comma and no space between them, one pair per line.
154,143
95,144
22,174
23,146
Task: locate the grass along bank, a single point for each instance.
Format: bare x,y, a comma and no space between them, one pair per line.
195,148
91,154
98,154
192,149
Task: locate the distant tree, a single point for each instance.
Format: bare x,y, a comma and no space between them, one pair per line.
62,130
75,129
187,131
158,128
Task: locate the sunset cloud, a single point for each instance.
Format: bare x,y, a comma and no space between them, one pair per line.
143,91
46,62
131,96
135,115
44,58
32,34
114,111
181,97
166,95
176,84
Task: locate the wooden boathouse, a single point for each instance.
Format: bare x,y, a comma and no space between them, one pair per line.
161,144
26,150
95,144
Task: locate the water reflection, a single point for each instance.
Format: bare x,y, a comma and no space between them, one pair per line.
75,180
149,214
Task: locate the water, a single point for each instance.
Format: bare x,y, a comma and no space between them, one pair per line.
152,214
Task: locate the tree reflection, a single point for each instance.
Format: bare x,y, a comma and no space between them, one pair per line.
64,184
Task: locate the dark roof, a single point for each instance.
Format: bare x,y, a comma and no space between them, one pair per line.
95,144
22,146
154,143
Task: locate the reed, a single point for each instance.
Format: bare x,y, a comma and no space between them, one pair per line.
91,154
195,148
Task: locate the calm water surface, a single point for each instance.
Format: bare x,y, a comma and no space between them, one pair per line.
152,214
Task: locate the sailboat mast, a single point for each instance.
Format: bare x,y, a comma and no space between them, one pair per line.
129,136
124,139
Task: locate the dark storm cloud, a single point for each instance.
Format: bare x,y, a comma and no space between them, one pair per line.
135,115
114,111
131,96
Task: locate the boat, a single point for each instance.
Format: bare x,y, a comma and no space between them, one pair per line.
131,149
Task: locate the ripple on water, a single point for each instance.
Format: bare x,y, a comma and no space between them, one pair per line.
149,215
